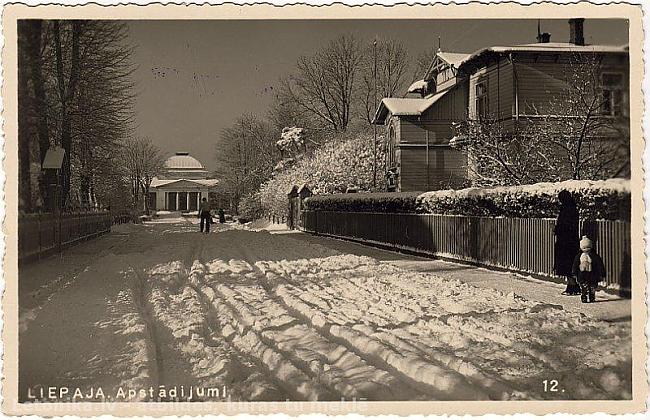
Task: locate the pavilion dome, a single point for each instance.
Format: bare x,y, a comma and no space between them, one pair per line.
183,161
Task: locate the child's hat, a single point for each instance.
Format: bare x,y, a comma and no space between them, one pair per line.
585,243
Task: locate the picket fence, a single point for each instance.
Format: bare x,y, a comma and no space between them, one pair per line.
518,244
43,233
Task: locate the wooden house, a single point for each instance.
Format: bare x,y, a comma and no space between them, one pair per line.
513,85
418,129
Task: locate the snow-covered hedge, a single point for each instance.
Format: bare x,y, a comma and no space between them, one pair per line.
369,202
608,199
336,166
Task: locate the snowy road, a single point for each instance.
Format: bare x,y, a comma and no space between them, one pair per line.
271,317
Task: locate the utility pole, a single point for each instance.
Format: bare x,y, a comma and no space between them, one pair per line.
374,126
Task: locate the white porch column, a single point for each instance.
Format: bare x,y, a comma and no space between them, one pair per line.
177,193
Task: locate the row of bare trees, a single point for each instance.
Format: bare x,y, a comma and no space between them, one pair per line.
75,92
335,87
142,161
330,92
246,155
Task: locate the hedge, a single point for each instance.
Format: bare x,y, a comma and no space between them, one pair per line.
608,200
365,202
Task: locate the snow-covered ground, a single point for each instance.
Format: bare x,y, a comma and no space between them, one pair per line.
273,317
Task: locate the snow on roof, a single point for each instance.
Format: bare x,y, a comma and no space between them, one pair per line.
156,182
182,160
416,86
545,47
405,106
453,58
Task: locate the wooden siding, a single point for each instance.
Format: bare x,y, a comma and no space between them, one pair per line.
447,168
499,79
452,106
435,122
542,78
524,245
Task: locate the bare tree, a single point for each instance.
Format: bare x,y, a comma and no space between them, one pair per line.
142,162
246,155
578,134
422,63
392,67
325,84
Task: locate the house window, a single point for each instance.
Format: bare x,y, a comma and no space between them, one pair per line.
612,90
481,100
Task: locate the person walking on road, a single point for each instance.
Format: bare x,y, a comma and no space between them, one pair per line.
205,215
567,242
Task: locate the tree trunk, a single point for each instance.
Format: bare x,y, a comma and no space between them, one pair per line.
33,32
67,94
24,155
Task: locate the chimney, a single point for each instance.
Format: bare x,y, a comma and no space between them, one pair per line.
576,31
542,38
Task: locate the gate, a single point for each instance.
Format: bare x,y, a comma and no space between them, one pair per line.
296,196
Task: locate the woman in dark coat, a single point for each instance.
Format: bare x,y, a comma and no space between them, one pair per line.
567,242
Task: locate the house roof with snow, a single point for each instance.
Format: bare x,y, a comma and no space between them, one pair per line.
453,58
542,47
405,106
417,86
444,59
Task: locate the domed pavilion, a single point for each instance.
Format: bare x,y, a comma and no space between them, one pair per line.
181,185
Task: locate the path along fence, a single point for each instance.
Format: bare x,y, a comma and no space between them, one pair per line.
523,245
44,233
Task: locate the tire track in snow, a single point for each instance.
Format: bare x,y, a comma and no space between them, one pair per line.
421,375
406,384
439,381
278,364
385,315
179,352
268,385
153,349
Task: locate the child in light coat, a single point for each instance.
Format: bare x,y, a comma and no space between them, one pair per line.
589,269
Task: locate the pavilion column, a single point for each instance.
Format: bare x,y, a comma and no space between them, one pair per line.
198,201
177,196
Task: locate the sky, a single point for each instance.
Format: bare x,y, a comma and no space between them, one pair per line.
194,78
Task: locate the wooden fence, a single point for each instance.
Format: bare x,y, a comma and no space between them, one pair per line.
524,245
41,234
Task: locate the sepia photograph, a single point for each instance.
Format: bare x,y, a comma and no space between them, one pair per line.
352,210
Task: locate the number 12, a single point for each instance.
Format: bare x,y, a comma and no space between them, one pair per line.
550,386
